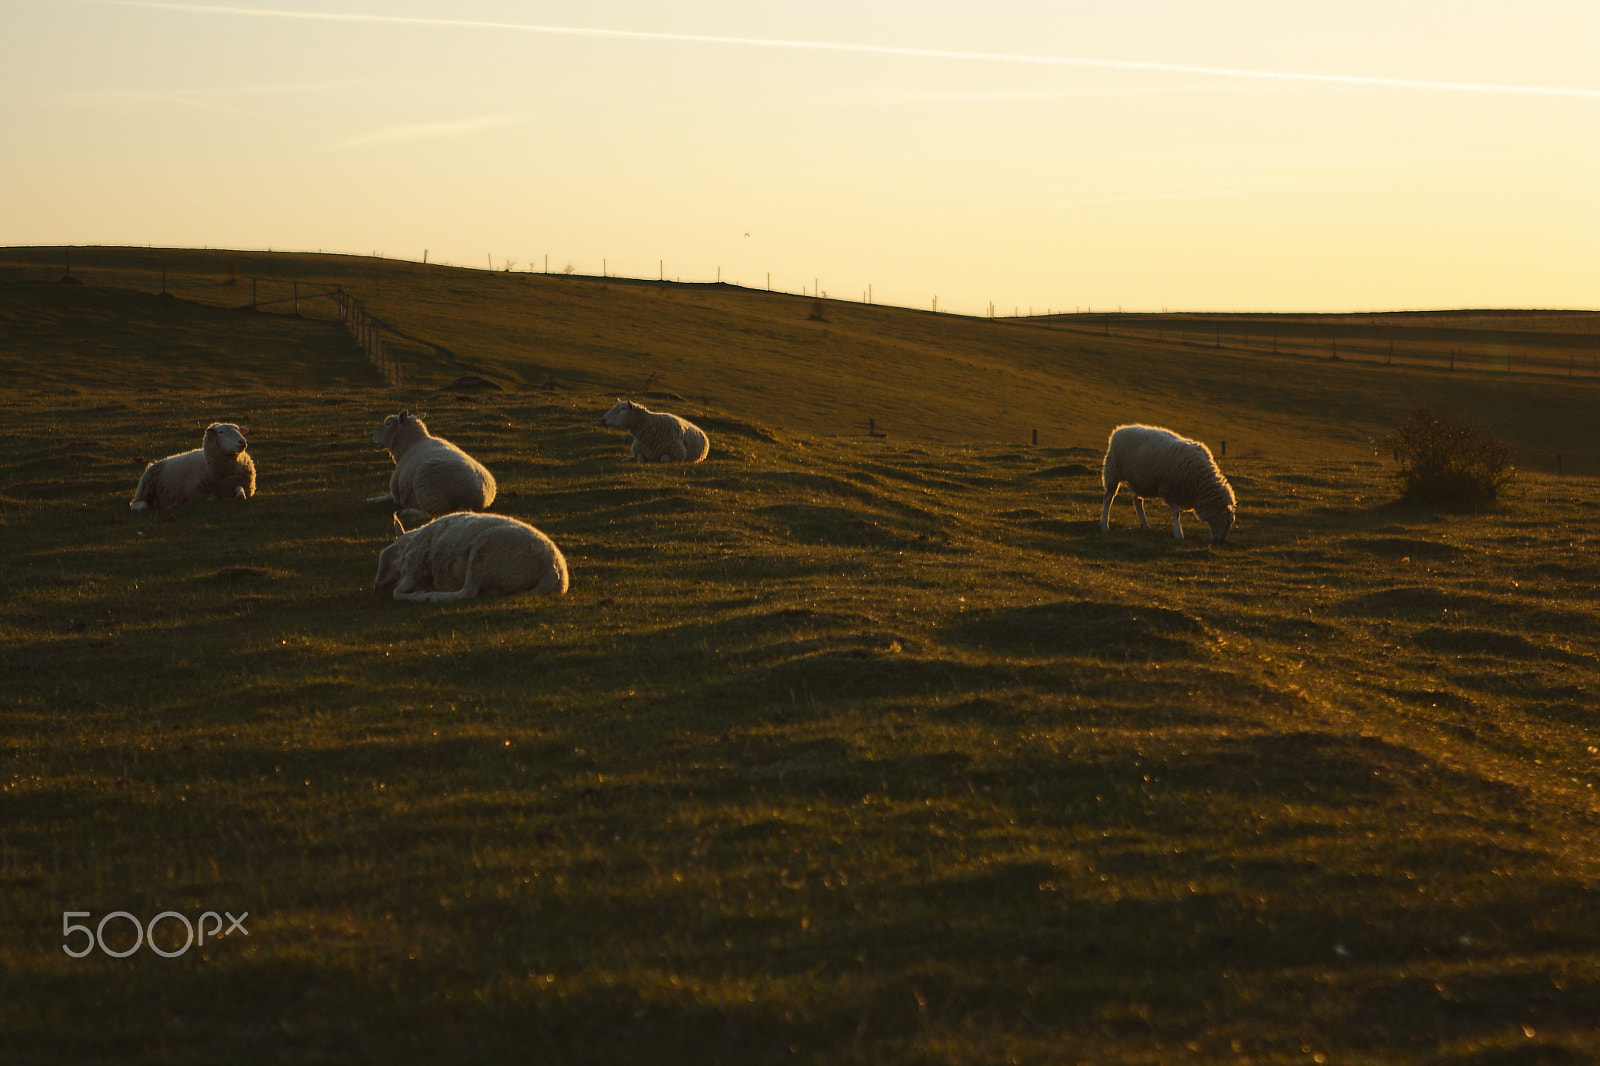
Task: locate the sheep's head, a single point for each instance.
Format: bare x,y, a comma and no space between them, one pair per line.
1220,523
392,560
225,436
388,566
617,414
384,435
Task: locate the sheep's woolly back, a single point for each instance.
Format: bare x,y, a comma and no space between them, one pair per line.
220,467
659,436
430,473
1154,461
463,555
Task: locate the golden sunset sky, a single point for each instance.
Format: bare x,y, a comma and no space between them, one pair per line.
1148,154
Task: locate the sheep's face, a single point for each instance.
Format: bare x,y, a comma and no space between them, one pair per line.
227,436
617,414
389,565
1220,524
384,435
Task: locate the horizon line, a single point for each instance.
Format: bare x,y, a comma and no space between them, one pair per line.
1086,309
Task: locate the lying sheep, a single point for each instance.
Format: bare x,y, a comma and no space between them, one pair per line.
658,437
218,468
431,475
459,556
1157,462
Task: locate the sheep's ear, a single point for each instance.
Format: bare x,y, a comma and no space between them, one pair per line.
398,528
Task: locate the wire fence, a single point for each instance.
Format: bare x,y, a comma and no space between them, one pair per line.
369,334
219,283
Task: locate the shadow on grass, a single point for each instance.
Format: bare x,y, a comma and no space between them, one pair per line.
1080,628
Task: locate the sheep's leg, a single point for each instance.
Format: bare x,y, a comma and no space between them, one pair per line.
1138,506
1177,526
139,505
409,513
387,497
470,587
1105,510
465,592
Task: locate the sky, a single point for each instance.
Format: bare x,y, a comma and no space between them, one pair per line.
1028,155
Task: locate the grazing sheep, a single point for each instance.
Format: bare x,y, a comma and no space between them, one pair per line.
218,468
1157,462
462,555
431,475
658,437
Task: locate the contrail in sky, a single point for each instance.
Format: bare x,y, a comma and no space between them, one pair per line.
871,49
427,131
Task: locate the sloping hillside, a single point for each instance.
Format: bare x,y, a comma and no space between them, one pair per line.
828,367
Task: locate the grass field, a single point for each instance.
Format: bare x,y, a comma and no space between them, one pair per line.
841,748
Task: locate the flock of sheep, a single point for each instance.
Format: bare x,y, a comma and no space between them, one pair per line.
458,556
465,553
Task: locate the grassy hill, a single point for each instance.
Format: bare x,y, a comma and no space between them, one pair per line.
827,367
842,748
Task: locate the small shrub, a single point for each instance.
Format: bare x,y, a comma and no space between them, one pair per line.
1449,462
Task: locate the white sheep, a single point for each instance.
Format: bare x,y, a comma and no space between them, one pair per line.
462,555
431,475
1157,462
218,468
658,437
